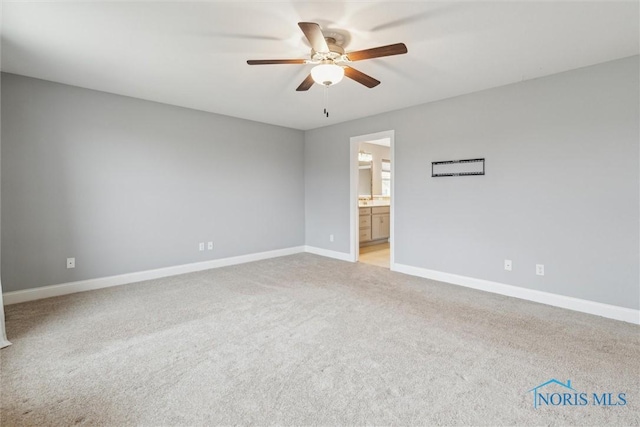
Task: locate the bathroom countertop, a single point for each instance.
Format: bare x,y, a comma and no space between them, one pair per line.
369,203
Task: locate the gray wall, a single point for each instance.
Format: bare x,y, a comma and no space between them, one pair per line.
561,189
127,185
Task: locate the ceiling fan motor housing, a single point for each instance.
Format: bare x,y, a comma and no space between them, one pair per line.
335,53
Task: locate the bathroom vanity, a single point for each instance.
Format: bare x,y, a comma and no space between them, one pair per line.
374,223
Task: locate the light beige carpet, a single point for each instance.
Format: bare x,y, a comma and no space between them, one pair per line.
307,340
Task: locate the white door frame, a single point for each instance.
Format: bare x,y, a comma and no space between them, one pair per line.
354,246
3,334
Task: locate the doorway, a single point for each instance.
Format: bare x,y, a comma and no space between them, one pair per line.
372,201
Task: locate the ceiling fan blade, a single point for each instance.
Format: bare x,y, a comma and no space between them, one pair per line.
377,52
313,33
276,61
306,84
361,77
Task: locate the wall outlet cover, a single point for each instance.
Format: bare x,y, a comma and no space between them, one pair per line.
507,264
210,246
201,246
71,263
540,269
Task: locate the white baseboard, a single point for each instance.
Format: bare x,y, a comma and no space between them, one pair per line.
329,254
570,303
15,297
576,304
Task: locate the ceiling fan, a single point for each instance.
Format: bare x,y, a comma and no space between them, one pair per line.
330,60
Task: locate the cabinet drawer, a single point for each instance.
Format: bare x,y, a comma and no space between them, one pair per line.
365,235
365,221
365,211
380,210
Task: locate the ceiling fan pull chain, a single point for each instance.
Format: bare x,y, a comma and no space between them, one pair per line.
326,101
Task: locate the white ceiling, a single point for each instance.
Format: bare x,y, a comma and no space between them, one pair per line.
194,54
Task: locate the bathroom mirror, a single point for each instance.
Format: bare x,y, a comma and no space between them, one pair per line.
365,179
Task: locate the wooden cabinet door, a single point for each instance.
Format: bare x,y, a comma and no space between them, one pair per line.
386,226
380,226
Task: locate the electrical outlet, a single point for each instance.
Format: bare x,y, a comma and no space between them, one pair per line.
540,269
71,263
331,237
507,264
210,246
201,246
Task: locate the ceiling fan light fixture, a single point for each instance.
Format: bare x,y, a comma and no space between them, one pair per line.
327,74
